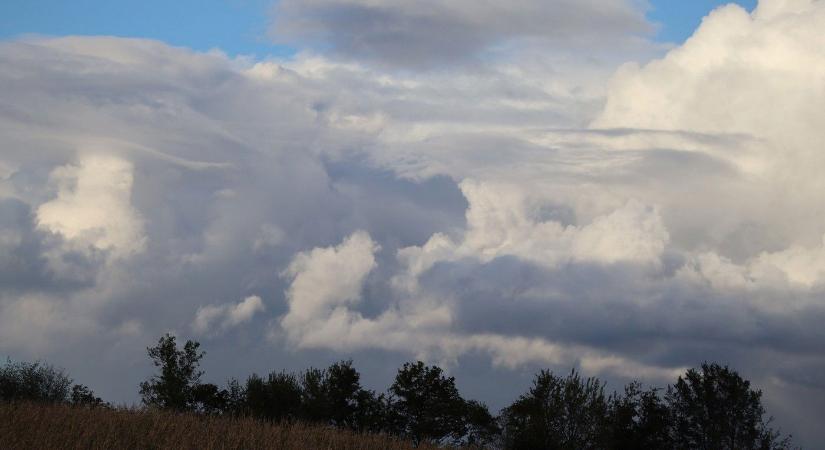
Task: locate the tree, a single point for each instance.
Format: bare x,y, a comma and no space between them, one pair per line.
208,398
33,382
428,404
482,428
276,398
334,396
639,419
557,413
315,402
345,396
375,414
83,396
235,398
714,408
179,375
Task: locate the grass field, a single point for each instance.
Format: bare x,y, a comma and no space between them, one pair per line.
36,426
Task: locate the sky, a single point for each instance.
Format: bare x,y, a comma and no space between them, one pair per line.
613,185
236,27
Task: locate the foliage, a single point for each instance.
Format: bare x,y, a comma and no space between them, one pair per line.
83,396
276,398
558,413
38,382
639,419
208,398
429,406
34,382
334,396
714,408
482,428
708,408
179,375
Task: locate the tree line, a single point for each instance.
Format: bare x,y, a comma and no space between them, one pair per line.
710,407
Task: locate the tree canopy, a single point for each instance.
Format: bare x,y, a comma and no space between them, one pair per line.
39,382
714,408
710,407
174,387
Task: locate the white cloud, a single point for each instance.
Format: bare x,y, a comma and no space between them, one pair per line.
757,75
212,319
326,289
502,221
324,281
93,206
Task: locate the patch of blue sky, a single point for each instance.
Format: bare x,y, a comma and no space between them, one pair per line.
236,27
678,19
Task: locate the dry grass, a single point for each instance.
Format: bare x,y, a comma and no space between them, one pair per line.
34,426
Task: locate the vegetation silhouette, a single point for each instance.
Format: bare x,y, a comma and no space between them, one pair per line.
427,406
558,413
175,387
714,408
711,407
42,383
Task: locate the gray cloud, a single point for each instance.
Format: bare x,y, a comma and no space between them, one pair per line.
496,220
435,33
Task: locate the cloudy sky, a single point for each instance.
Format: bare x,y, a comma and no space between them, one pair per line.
621,186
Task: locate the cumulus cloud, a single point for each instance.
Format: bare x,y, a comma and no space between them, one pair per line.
219,318
323,281
326,288
93,206
437,32
526,212
755,75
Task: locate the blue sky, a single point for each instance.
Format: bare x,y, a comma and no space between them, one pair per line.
234,26
678,18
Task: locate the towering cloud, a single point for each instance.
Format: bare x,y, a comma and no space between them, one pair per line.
524,212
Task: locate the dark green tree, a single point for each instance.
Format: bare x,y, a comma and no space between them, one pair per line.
33,382
276,398
639,419
83,396
174,387
345,395
557,413
482,428
208,398
428,404
235,398
335,397
375,414
315,401
714,408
